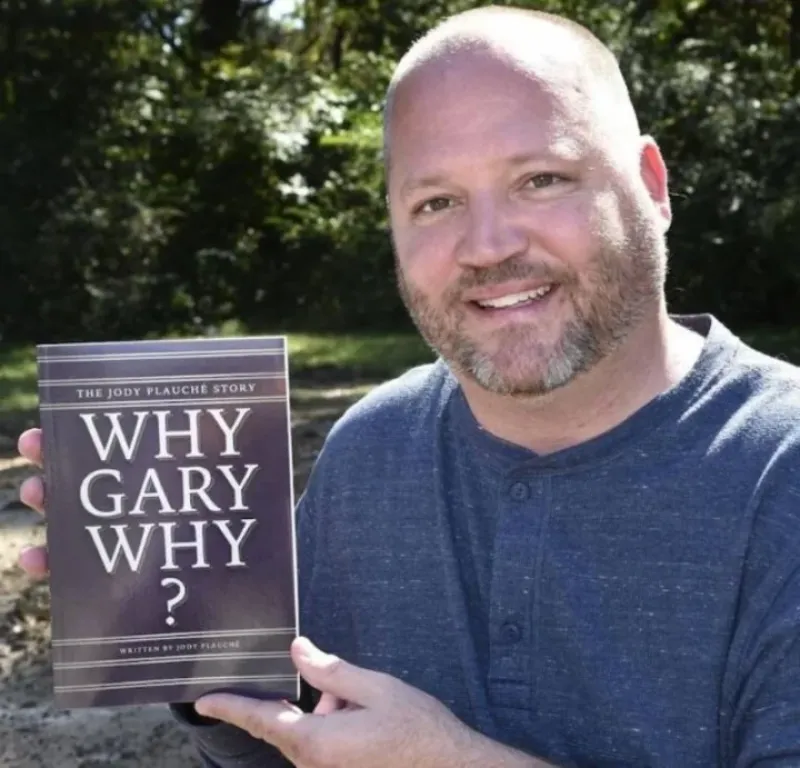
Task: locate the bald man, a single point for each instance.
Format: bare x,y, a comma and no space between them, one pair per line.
574,540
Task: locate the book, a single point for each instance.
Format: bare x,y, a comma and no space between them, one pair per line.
170,519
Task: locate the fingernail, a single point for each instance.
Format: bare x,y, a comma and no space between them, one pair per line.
25,552
306,649
310,654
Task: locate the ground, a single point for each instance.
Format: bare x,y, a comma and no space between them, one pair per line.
32,732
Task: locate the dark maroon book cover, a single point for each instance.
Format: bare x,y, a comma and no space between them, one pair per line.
170,519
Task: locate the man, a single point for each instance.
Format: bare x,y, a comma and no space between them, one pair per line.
575,539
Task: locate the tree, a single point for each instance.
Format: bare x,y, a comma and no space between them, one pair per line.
169,165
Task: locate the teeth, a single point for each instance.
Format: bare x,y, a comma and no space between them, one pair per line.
516,298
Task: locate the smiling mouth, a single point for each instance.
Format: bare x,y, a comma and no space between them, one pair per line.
513,300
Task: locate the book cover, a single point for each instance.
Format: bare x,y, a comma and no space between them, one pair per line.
170,519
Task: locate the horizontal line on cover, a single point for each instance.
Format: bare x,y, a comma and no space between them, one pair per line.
86,405
157,379
198,355
222,633
175,681
125,662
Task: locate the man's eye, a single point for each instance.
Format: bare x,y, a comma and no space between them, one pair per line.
433,205
541,180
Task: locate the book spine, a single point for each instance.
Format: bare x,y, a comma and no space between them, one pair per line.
48,423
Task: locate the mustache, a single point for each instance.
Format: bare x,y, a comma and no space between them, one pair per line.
511,269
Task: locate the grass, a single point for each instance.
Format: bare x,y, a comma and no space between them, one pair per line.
17,379
373,356
335,358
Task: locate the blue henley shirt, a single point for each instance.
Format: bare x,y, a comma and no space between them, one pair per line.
631,601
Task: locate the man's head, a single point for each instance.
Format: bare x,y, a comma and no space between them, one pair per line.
516,172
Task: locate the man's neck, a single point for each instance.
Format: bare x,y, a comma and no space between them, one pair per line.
652,360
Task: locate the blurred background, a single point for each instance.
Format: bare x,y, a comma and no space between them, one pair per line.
170,165
214,166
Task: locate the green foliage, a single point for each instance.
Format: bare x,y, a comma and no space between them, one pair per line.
168,166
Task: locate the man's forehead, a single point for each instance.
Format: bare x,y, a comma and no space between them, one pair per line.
491,97
545,67
462,73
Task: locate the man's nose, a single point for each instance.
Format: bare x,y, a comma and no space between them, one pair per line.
491,235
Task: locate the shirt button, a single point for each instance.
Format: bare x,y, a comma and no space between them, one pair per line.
519,491
510,632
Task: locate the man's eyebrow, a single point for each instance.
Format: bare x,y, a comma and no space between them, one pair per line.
565,150
413,184
562,150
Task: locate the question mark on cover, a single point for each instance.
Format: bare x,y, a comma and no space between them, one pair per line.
174,602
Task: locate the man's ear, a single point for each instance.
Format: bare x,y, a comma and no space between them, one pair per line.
654,174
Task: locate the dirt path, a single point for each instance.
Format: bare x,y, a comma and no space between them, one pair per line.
33,734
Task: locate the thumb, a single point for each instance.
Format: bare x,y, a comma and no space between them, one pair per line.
330,674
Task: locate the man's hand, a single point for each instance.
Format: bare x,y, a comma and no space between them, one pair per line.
34,559
364,719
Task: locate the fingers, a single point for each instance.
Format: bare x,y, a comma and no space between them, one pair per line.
33,561
330,674
328,704
271,721
31,493
30,446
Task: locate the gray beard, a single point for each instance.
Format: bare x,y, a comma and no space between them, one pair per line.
623,288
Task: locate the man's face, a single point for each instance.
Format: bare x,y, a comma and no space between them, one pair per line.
526,249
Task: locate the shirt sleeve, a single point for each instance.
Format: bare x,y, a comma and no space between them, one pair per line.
761,692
